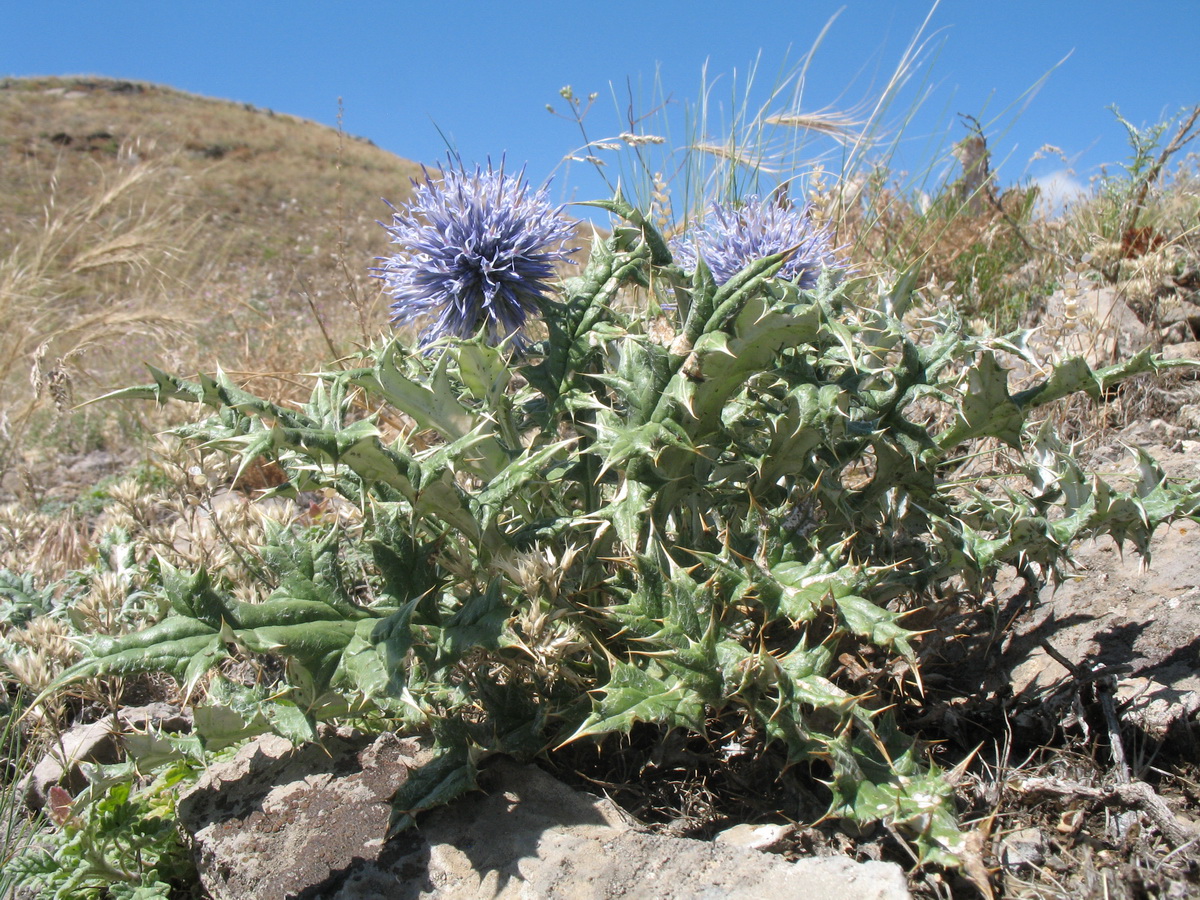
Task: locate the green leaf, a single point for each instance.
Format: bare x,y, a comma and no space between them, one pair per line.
447,776
518,474
721,362
876,624
987,409
289,721
478,623
430,401
807,588
633,695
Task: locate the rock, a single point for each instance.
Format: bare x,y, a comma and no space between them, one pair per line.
1186,350
278,821
1118,614
94,743
1159,709
159,715
1089,321
1026,847
767,838
1179,316
98,742
94,465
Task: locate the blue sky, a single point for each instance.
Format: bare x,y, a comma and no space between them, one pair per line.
482,73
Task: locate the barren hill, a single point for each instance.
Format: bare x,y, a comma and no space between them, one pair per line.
142,224
273,182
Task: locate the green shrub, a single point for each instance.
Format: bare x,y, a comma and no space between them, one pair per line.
117,840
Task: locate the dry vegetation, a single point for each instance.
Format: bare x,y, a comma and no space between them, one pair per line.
142,224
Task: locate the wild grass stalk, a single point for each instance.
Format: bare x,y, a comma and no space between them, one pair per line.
91,276
17,828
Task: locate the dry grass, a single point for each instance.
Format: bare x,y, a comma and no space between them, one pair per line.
142,224
81,288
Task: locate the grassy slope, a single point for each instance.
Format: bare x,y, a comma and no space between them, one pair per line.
225,230
270,193
245,161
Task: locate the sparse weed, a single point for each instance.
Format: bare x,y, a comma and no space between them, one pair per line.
86,283
17,828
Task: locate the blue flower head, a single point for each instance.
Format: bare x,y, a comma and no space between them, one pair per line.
477,250
733,236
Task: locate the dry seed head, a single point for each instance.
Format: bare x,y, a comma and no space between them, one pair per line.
833,124
736,155
548,638
101,606
132,508
60,385
660,202
1047,150
48,545
42,649
31,669
636,140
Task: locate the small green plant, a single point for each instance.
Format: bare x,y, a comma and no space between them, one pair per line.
1123,197
631,520
116,841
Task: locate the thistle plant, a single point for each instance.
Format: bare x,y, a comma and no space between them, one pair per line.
615,528
734,235
477,250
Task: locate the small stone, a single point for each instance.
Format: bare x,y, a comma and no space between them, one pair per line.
1157,708
1026,847
94,743
1186,350
161,716
768,838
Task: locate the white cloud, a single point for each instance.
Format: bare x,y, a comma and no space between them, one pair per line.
1057,191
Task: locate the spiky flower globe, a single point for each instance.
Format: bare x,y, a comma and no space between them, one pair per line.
478,251
732,236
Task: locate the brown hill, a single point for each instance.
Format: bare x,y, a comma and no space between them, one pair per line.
143,224
268,196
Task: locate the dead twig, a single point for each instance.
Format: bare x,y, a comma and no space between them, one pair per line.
1106,689
1135,795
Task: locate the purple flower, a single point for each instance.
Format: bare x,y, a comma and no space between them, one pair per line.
733,236
477,249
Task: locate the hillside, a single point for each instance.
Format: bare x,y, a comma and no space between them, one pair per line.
278,192
143,224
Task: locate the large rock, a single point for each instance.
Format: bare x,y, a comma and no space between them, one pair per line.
278,821
97,742
1090,321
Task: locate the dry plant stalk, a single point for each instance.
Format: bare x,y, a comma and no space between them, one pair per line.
93,274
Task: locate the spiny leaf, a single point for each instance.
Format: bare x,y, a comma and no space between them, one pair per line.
634,695
447,776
